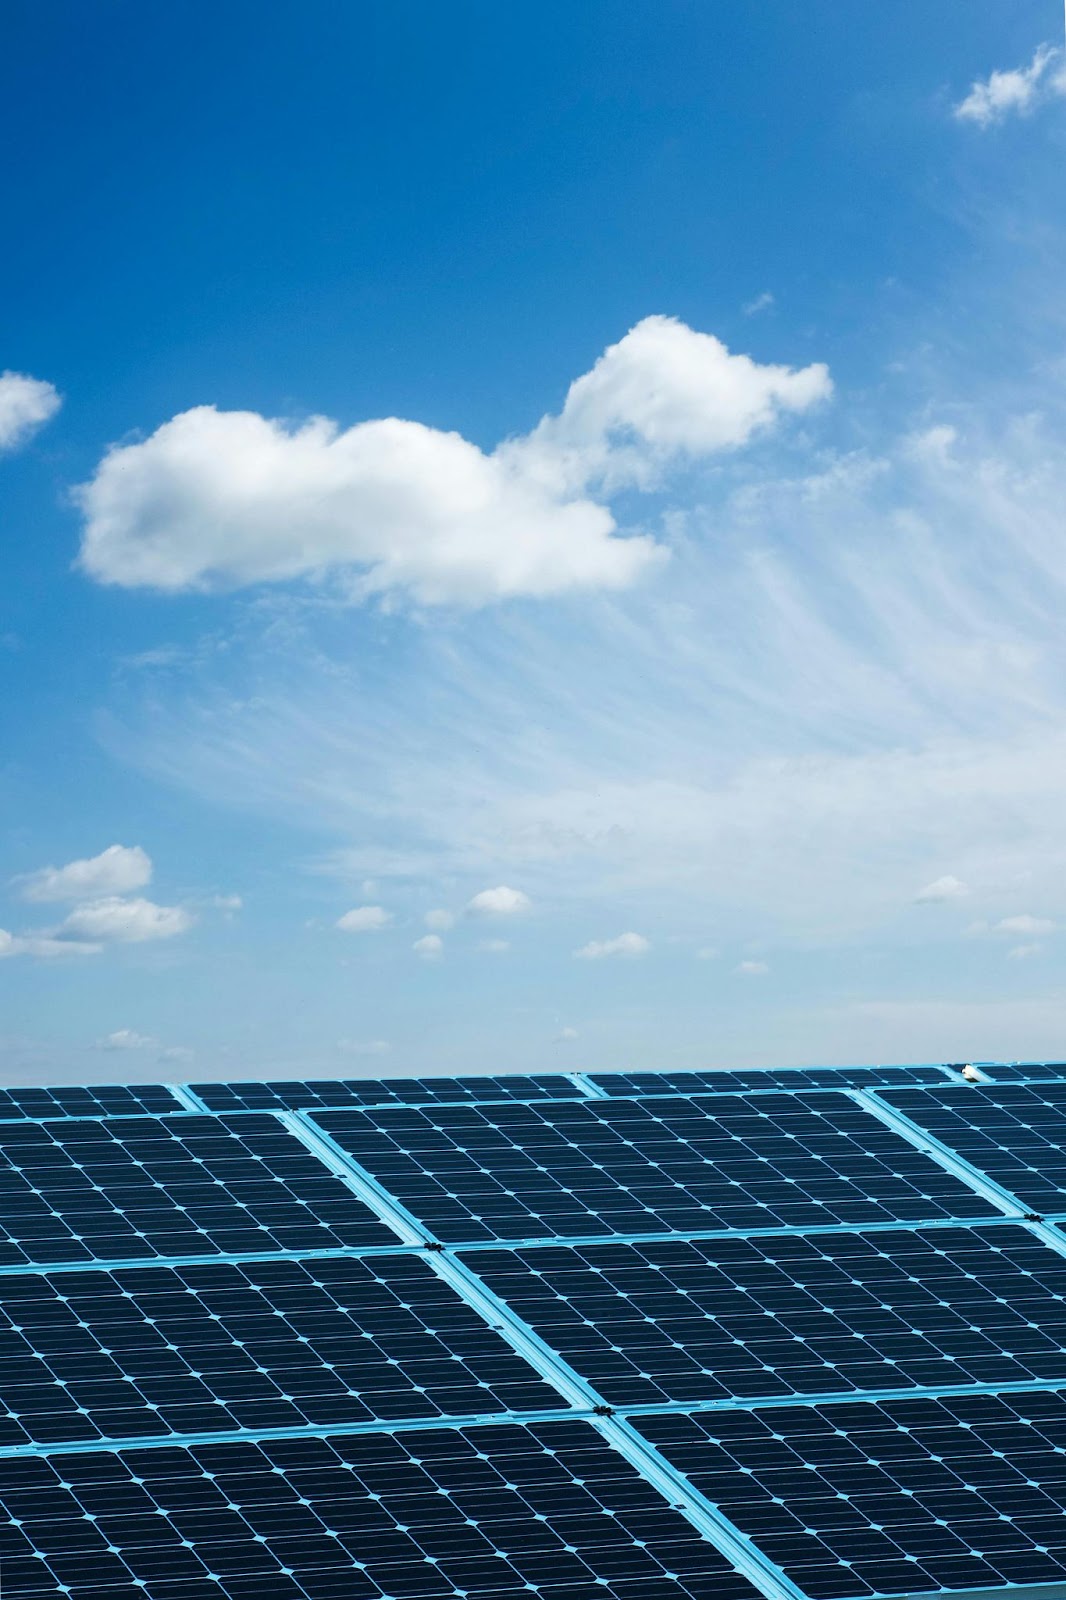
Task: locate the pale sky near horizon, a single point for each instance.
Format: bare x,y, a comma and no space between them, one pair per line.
533,537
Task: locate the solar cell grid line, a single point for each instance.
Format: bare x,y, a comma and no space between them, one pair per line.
748,1318
958,1492
109,1099
513,1171
158,1186
326,1092
732,1080
482,1514
1013,1133
113,1355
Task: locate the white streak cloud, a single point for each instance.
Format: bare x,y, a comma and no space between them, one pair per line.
117,870
127,1039
626,944
25,405
218,499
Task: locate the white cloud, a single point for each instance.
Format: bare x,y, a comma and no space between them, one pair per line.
228,904
43,947
627,944
364,1047
439,920
566,1035
708,953
941,889
761,302
113,920
1024,952
25,403
222,499
127,1039
430,947
751,969
1024,924
494,946
500,902
364,919
1017,91
117,870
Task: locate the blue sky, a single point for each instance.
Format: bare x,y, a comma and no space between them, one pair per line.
532,537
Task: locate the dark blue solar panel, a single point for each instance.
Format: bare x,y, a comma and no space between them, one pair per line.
381,1091
899,1497
144,1351
794,1314
517,1172
1021,1072
1015,1134
501,1513
109,1099
184,1185
729,1080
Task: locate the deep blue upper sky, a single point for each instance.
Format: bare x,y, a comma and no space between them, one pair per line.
445,214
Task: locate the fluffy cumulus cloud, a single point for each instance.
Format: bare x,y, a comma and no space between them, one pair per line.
1014,92
120,869
439,920
127,1039
25,404
500,902
940,890
1024,924
114,920
218,499
364,919
626,944
430,947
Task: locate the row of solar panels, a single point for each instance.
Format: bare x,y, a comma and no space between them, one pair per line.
121,1099
450,1350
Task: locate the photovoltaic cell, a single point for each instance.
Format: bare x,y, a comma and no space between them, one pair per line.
899,1497
794,1314
1020,1072
728,1080
1014,1133
146,1351
501,1513
381,1091
514,1172
109,1099
126,1187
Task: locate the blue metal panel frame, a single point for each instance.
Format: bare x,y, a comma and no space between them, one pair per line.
931,1146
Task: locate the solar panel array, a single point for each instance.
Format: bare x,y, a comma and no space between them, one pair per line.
698,1336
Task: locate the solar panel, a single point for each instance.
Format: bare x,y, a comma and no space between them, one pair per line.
620,1340
636,1166
381,1091
113,1099
1014,1133
794,1314
725,1080
958,1492
1022,1072
122,1187
493,1513
266,1344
